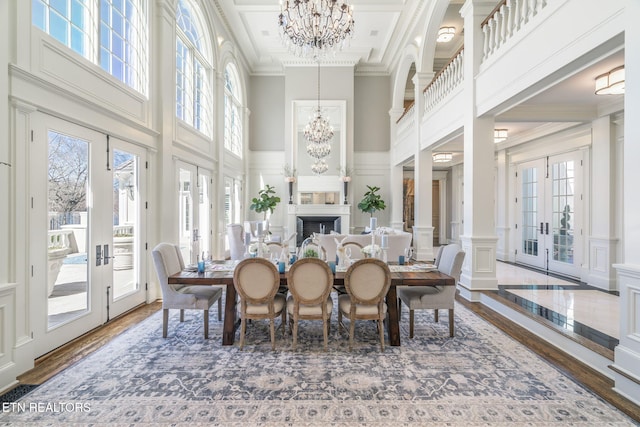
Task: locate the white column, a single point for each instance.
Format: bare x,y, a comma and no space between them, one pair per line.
479,239
602,238
6,181
627,354
396,175
503,203
423,177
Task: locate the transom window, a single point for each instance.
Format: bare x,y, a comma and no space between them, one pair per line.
193,89
232,112
110,33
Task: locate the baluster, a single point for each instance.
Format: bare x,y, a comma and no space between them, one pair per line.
503,24
509,19
517,15
498,29
525,12
494,34
539,6
485,49
531,9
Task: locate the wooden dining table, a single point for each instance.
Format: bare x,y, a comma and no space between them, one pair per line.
222,274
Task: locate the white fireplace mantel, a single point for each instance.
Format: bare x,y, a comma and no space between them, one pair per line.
343,211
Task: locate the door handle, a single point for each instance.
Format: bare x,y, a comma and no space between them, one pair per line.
98,255
546,228
106,254
541,228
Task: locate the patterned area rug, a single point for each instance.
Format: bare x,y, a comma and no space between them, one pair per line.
480,377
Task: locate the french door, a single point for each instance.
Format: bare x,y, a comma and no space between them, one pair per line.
194,211
86,240
550,212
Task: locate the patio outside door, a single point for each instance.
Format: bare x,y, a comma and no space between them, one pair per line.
194,214
86,196
549,213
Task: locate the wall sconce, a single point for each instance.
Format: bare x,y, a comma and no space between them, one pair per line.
445,34
442,157
611,83
499,135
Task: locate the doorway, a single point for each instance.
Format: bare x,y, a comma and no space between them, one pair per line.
86,230
549,213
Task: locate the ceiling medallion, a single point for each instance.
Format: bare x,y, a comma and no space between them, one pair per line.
315,27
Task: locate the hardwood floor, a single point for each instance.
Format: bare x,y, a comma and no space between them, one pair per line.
67,355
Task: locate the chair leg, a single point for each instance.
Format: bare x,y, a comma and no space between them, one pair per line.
435,315
220,309
243,329
165,322
181,315
411,315
340,325
272,325
451,322
284,322
295,332
325,331
381,329
206,324
352,330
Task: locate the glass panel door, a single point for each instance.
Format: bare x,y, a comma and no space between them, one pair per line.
67,220
531,185
549,213
127,189
194,211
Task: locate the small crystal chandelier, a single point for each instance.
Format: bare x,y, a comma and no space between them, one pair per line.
319,167
315,27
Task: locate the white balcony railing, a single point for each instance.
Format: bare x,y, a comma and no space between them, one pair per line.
509,17
444,82
406,120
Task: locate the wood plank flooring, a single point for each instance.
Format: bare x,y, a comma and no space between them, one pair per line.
67,355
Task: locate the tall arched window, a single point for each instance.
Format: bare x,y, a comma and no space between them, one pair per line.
111,33
232,112
193,89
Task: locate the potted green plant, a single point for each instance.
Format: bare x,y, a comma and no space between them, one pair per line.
371,201
265,202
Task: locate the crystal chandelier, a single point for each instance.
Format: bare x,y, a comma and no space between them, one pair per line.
315,27
319,167
318,133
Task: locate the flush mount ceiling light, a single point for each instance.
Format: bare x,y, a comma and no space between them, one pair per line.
499,135
315,27
442,157
611,83
445,34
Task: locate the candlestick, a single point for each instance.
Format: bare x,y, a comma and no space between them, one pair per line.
373,223
384,241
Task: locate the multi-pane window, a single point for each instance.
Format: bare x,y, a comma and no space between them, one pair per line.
111,33
232,112
193,89
123,41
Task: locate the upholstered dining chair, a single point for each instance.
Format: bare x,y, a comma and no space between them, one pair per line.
436,261
256,281
310,282
434,297
235,234
367,282
168,260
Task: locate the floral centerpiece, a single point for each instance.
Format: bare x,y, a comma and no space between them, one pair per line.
371,251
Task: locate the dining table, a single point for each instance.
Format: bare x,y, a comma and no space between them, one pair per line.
221,273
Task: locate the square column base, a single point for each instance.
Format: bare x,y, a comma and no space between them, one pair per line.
423,243
479,268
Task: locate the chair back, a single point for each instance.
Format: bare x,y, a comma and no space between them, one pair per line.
310,281
451,261
256,280
367,281
235,234
167,260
